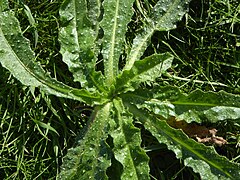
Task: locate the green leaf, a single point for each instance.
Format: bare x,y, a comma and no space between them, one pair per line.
78,41
197,106
204,160
117,14
166,13
163,17
91,157
127,141
145,70
4,5
138,98
17,56
212,106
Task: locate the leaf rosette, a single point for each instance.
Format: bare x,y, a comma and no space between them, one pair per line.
110,148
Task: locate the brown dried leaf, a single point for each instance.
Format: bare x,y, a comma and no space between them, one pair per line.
219,141
201,133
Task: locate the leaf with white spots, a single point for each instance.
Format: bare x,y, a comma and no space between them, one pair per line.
145,70
117,14
17,56
201,106
77,37
163,17
127,141
204,160
92,155
197,106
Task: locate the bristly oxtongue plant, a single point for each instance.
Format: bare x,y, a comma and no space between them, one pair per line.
91,28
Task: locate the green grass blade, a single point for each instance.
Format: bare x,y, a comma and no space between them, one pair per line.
145,70
117,14
127,141
204,160
78,39
32,22
91,158
163,17
47,126
17,56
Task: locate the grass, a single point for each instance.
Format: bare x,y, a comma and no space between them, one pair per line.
36,130
206,46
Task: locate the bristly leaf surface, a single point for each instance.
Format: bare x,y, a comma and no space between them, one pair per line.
91,157
93,31
197,106
163,17
127,141
145,70
78,37
117,14
17,56
204,160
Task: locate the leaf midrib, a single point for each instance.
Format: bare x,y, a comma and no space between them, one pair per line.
141,115
151,29
111,73
195,152
171,102
133,58
20,62
61,90
124,134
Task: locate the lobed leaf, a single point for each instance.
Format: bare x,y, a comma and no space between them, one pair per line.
166,13
212,106
78,41
162,108
17,56
145,70
127,141
117,14
163,17
204,160
92,155
198,106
